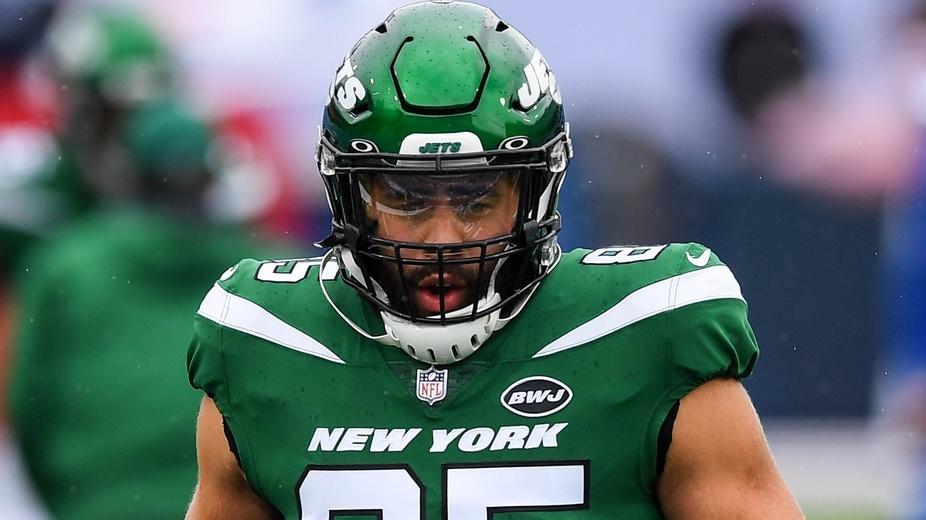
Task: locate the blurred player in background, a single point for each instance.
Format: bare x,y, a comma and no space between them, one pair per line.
52,123
58,144
902,390
106,63
856,144
155,180
109,62
838,141
103,415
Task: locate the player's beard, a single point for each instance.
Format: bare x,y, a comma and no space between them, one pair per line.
461,286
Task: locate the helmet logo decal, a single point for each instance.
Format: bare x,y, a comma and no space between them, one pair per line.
441,143
452,147
539,79
438,144
348,92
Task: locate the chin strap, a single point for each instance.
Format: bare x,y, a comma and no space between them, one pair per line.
426,332
523,303
384,338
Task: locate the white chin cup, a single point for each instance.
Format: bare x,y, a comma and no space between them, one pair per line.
444,344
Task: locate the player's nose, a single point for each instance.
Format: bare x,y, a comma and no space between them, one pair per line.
445,226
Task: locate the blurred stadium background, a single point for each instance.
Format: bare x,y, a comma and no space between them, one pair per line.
786,135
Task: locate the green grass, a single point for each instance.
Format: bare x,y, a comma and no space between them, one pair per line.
836,514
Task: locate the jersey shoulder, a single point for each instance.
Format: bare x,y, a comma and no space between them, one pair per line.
288,288
686,299
259,309
282,302
271,283
610,274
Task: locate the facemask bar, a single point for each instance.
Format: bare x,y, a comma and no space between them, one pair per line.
397,261
398,257
526,253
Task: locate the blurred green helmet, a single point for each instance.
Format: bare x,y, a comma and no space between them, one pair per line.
443,147
112,53
165,140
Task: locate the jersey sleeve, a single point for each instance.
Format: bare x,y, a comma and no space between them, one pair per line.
706,336
710,340
709,335
205,361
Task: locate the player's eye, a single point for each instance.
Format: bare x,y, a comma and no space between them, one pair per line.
476,209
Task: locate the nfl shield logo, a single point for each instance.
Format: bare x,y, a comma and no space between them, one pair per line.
432,385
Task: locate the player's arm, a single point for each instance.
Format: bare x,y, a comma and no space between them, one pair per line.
222,491
719,465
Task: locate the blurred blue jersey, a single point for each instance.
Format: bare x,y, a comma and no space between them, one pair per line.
905,282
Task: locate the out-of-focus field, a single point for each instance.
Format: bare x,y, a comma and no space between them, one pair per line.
845,515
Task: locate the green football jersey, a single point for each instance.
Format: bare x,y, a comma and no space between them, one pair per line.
102,414
558,415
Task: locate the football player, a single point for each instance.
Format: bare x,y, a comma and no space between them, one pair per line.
445,359
78,354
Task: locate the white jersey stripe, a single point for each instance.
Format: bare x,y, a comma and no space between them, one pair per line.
245,316
712,283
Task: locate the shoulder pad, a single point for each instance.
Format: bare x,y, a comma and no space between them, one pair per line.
596,293
666,259
251,275
238,270
259,298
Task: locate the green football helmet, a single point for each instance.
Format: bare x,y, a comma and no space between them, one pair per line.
111,53
443,148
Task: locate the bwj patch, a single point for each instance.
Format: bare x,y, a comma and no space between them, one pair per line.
432,385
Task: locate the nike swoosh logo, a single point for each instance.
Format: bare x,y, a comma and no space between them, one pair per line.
700,260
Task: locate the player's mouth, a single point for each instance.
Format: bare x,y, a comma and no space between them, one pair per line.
429,291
